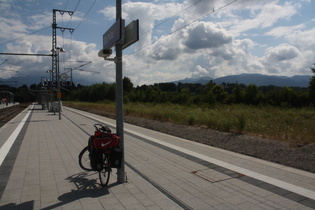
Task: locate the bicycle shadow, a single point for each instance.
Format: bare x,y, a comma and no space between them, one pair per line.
86,188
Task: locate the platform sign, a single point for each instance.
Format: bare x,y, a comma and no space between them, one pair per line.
62,84
131,33
114,34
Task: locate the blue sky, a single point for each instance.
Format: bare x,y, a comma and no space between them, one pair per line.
178,38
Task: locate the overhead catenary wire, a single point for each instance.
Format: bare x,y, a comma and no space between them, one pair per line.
1,44
9,70
178,29
66,4
85,14
182,27
82,65
75,29
5,60
202,17
76,61
26,54
172,17
76,7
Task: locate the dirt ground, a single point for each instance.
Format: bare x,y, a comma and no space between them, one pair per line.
301,157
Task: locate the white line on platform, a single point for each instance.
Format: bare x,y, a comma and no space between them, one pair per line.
10,141
284,185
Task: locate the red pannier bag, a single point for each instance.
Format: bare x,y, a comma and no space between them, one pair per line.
105,141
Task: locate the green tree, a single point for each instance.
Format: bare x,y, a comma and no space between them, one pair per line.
127,85
151,94
252,95
209,86
184,95
219,93
33,86
311,87
208,96
111,93
238,94
23,88
311,90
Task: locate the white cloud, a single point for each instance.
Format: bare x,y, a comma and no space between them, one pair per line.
234,58
283,31
11,28
282,58
205,35
209,49
174,42
263,15
148,13
300,40
199,72
283,52
36,66
304,40
166,49
7,71
5,5
200,35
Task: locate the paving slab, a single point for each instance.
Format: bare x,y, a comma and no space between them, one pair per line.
41,171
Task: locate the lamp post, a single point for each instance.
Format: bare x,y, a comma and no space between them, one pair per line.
50,88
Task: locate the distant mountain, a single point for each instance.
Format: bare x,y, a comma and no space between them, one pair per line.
200,80
19,81
257,79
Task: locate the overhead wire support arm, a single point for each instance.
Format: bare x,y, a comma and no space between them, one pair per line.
95,72
63,11
62,29
78,66
4,61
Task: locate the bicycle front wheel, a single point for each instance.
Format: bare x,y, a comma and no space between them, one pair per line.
104,174
84,160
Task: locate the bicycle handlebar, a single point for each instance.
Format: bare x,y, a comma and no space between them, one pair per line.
100,127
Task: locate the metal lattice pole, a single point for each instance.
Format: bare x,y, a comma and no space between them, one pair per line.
54,65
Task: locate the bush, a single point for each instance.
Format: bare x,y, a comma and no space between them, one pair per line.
240,123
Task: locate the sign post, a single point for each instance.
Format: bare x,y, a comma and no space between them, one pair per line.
121,37
119,100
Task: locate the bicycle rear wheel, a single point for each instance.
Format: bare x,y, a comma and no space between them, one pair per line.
84,160
104,174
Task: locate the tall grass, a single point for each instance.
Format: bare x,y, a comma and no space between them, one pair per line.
295,126
99,106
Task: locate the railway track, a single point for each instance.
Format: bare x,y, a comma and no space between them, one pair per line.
8,113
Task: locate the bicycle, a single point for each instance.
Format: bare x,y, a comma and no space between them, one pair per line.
102,153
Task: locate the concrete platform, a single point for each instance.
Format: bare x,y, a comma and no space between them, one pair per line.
2,106
39,170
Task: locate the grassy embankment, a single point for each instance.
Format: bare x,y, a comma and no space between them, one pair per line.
295,126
